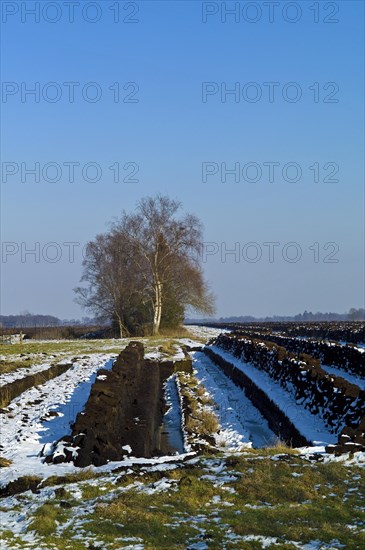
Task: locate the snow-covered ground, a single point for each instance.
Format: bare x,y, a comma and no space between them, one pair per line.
205,332
22,372
189,342
158,355
43,414
311,426
28,426
352,378
18,511
360,346
241,424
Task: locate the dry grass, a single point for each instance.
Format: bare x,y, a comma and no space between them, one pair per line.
208,422
11,365
5,397
244,494
179,332
200,419
83,475
168,348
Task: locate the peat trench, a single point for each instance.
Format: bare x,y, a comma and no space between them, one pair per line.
124,413
278,422
340,403
13,389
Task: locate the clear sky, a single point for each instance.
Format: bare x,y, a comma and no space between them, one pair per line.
297,113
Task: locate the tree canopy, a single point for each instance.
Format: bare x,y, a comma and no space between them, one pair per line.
146,270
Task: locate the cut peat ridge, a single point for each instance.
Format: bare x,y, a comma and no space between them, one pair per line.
126,413
303,403
261,392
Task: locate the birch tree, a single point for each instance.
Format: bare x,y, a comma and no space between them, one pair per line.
167,251
112,285
148,259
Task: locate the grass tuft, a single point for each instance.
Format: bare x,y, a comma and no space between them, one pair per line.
44,522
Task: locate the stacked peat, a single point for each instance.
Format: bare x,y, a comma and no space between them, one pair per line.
340,404
346,357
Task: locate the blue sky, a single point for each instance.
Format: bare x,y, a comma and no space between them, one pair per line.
169,133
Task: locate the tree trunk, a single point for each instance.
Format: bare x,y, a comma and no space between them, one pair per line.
121,328
157,308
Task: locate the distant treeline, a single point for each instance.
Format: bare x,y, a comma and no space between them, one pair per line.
29,320
352,315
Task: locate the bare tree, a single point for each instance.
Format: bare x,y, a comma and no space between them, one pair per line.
146,254
112,284
167,251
